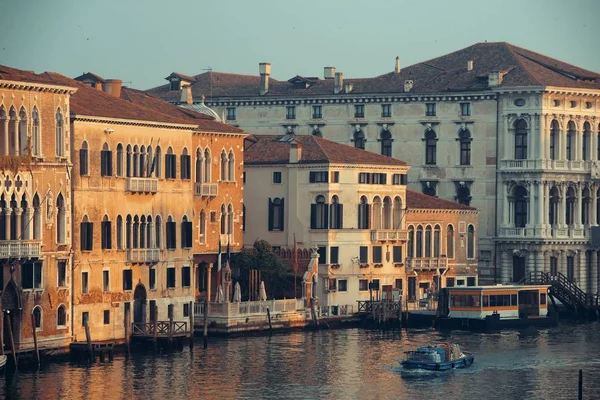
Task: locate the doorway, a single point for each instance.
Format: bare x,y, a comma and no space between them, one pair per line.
518,268
139,304
11,307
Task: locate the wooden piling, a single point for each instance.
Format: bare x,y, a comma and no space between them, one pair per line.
269,318
88,338
155,330
11,339
580,385
205,322
191,324
171,327
1,328
35,341
127,331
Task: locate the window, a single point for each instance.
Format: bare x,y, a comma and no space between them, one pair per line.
520,139
386,110
106,233
464,137
322,252
450,241
317,112
152,279
231,114
372,178
170,164
585,141
37,317
359,111
336,213
553,266
276,177
570,268
186,310
319,217
106,161
175,84
471,282
119,159
317,131
170,277
399,179
377,255
84,168
84,282
62,273
85,318
61,220
386,143
449,282
428,241
127,279
397,254
106,317
36,137
186,280
171,234
61,316
419,242
359,139
276,214
119,232
334,255
106,281
463,195
570,140
465,109
437,241
186,233
430,147
332,284
363,255
363,213
520,206
317,177
471,242
430,109
31,275
363,285
554,140
186,165
570,206
60,133
411,242
335,176
156,163
291,112
342,285
86,234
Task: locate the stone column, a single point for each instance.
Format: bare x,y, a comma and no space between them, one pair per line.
578,206
531,206
152,244
530,267
505,205
562,207
28,229
593,143
539,263
15,135
18,232
505,270
581,273
5,137
208,280
593,282
562,263
540,205
7,213
594,199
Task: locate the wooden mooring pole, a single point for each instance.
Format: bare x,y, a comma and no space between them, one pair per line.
205,322
1,328
11,339
269,318
88,338
155,330
171,327
35,342
191,324
127,331
580,385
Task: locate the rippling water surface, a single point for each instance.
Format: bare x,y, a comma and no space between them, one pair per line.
336,364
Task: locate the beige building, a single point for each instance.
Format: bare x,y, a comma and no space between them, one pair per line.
475,125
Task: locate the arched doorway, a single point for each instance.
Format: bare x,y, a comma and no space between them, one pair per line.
518,268
139,304
11,307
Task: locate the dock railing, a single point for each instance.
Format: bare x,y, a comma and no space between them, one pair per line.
247,308
336,311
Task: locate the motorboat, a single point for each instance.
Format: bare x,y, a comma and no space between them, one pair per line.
3,359
440,357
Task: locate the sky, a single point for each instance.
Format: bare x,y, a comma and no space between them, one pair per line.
143,41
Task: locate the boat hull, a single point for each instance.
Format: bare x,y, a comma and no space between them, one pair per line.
462,362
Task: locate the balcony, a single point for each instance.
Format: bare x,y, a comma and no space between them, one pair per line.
226,238
389,235
20,249
545,232
143,256
426,263
142,185
553,165
206,189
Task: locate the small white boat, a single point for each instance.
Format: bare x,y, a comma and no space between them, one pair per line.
2,361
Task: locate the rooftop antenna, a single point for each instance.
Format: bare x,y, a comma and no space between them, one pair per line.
209,69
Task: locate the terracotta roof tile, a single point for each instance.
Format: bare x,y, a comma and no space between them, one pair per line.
422,201
13,74
271,149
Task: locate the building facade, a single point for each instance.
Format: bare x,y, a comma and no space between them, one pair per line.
452,119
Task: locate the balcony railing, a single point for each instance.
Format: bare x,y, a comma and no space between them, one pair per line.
206,189
143,256
142,185
389,235
20,249
545,232
426,263
554,165
226,238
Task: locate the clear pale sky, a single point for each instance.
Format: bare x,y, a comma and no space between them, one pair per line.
141,42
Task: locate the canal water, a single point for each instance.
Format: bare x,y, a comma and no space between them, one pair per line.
336,364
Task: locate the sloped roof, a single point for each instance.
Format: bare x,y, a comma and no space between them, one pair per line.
18,75
448,73
89,76
183,77
418,200
275,149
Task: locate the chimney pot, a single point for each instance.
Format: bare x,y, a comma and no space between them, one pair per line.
338,83
264,70
397,69
328,72
347,87
470,65
113,87
186,95
295,152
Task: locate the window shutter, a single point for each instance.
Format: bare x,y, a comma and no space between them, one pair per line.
90,236
183,236
333,256
281,214
359,217
270,214
174,166
340,216
83,169
109,164
368,217
83,235
311,177
326,222
313,216
108,235
188,229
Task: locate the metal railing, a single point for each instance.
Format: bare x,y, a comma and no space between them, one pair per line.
206,189
20,249
246,308
142,185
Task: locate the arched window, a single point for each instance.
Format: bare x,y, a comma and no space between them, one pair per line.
428,241
386,143
199,162
419,242
337,213
450,241
186,164
411,241
136,232
14,235
207,171
128,228
585,142
430,147
129,156
25,226
158,230
106,161
171,233
142,161
136,161
61,316
359,139
397,220
520,139
570,140
149,232
106,233
319,217
230,215
223,219
463,195
554,131
437,241
4,134
377,211
119,159
13,139
387,213
202,227
84,168
119,232
142,236
60,134
86,234
429,189
598,144
23,148
37,218
37,317
464,137
553,206
276,214
570,209
585,206
223,166
36,134
187,240
363,213
520,206
61,217
157,163
231,166
471,242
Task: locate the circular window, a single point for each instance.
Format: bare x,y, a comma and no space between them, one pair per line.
556,103
588,104
573,104
519,102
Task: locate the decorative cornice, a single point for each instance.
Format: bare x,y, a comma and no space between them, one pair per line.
40,87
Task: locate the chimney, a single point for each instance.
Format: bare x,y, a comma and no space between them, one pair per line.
295,152
186,95
113,87
495,78
264,69
408,85
397,69
347,87
470,65
338,83
328,72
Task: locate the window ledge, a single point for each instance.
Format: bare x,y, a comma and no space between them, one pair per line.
61,327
